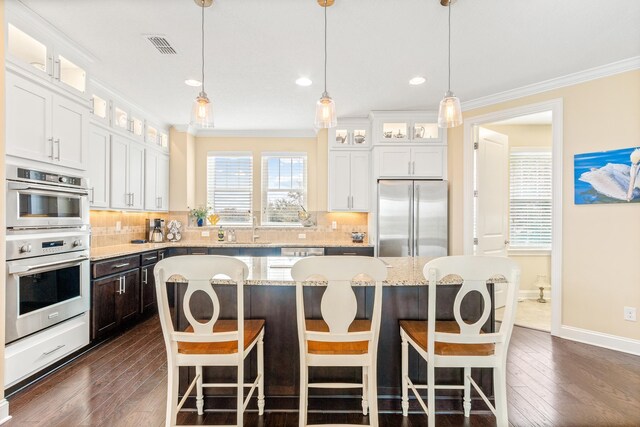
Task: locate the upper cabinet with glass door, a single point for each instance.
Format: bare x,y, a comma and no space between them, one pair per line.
156,137
127,120
37,54
350,133
406,126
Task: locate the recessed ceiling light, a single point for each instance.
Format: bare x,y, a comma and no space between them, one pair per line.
303,81
193,82
417,81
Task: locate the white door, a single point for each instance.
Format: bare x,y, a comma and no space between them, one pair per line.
395,161
427,162
98,167
339,179
163,182
28,120
136,175
151,181
119,172
69,133
492,185
360,182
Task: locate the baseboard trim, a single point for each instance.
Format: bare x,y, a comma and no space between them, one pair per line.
4,411
599,339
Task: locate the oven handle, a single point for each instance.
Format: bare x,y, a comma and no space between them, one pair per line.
28,268
47,189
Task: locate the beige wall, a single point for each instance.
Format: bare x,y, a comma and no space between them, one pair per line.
2,210
601,244
182,171
528,136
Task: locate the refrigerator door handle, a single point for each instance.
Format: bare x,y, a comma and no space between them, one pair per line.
416,220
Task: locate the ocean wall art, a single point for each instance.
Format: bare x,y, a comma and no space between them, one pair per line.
607,176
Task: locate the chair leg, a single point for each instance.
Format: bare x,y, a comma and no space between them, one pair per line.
240,391
431,395
304,377
500,393
467,392
261,373
199,393
365,390
405,373
172,396
373,394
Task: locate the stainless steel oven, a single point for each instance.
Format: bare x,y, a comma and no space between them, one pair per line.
47,280
39,199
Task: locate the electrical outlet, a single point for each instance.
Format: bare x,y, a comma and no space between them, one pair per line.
630,314
334,225
118,226
302,236
204,233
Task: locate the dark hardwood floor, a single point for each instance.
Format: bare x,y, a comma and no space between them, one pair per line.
552,382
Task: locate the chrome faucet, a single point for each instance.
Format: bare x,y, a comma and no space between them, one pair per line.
254,225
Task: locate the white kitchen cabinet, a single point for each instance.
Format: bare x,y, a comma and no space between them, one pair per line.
413,162
44,126
127,120
349,181
36,53
99,166
156,181
350,134
406,127
127,173
101,109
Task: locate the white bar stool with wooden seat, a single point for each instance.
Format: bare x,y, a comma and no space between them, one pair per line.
214,343
460,344
339,339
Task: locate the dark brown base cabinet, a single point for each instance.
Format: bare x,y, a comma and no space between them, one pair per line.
115,301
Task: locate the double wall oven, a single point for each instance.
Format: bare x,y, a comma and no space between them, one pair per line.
47,250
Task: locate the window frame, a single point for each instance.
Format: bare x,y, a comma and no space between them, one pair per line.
264,190
250,188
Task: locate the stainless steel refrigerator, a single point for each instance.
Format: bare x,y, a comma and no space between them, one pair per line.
412,218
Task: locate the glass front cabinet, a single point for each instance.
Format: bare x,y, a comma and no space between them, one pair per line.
406,126
350,134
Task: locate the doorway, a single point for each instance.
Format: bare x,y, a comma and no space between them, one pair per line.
513,181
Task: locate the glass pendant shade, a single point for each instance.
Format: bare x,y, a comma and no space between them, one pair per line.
325,113
450,112
202,112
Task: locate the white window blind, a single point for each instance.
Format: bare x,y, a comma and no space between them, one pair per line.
530,198
230,187
284,188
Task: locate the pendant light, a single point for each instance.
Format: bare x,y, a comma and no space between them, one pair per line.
202,110
325,107
450,112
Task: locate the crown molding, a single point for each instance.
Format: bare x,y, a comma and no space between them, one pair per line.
611,69
248,133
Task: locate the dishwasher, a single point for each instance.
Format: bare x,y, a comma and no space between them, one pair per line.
301,252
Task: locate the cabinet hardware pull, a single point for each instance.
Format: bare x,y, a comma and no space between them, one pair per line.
162,256
133,198
50,70
51,141
146,272
92,103
120,265
57,141
124,285
46,353
414,167
150,258
93,193
409,164
56,66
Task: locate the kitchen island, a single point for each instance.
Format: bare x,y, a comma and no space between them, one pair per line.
270,295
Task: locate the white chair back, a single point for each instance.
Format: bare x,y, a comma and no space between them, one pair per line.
474,271
198,270
339,305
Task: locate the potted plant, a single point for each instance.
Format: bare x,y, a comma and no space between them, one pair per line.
200,214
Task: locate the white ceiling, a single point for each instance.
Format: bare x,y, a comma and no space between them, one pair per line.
256,49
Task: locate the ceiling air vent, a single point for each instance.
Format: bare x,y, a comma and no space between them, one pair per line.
162,44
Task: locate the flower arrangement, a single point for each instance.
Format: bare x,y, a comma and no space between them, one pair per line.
200,214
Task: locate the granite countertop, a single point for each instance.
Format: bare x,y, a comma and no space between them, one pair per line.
106,252
276,271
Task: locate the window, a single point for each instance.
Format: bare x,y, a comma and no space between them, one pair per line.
530,198
230,186
284,188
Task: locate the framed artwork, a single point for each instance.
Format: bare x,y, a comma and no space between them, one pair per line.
607,176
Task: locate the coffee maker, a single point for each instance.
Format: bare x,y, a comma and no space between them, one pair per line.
156,230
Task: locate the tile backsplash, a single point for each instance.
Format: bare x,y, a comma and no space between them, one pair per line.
133,225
